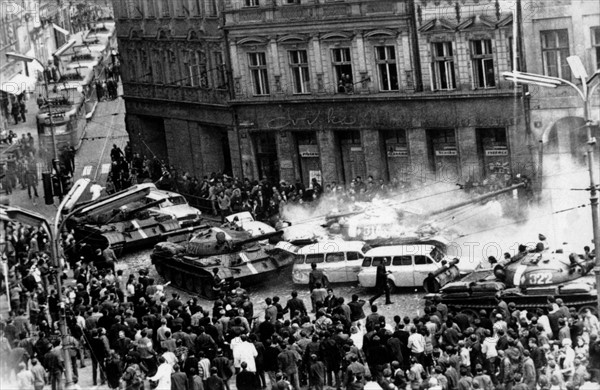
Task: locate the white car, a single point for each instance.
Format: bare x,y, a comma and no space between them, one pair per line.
246,221
339,260
174,205
408,265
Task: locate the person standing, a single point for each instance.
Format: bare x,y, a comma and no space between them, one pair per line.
39,374
381,283
55,365
31,178
22,110
163,375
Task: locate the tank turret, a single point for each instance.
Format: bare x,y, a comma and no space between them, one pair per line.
235,255
526,279
122,221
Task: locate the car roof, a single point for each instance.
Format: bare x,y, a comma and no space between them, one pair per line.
332,246
400,250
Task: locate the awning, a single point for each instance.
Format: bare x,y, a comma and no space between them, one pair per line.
32,62
17,84
60,29
64,48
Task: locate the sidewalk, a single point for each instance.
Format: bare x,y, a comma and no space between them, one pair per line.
105,128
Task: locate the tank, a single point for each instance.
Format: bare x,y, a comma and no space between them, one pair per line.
124,222
388,222
235,254
527,279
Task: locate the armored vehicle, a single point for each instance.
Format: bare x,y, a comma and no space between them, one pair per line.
125,222
218,254
527,279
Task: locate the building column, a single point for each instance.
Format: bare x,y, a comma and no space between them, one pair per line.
288,157
467,154
330,157
374,154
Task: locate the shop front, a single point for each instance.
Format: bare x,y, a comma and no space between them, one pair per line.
265,145
397,153
493,152
308,155
443,154
353,155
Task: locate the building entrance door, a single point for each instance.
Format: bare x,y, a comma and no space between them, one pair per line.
266,156
353,156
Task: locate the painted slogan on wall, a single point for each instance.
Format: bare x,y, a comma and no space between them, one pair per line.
377,118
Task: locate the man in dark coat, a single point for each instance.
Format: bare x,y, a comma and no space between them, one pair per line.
381,283
316,276
246,380
55,365
179,380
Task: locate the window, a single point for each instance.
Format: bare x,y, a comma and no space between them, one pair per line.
158,67
442,72
402,260
212,7
342,65
258,68
196,6
197,69
151,8
555,50
420,260
292,1
596,45
482,60
220,81
334,257
314,258
366,262
377,261
300,74
299,259
165,11
251,3
354,255
511,47
386,65
181,8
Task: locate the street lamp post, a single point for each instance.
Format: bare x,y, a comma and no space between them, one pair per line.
585,93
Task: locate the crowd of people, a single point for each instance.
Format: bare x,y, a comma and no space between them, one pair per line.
20,167
222,194
135,335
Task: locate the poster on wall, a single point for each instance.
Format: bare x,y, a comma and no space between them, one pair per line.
315,175
307,151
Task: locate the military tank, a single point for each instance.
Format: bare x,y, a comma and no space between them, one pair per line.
527,279
123,222
235,254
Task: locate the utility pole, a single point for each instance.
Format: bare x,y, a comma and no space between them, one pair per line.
31,218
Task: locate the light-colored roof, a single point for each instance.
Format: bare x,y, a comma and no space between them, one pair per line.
332,246
400,250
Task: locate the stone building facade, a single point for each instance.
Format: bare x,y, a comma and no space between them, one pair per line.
394,89
559,29
302,89
175,82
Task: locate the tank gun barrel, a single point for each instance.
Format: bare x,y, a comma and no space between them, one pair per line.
190,229
112,202
478,199
261,237
444,268
145,206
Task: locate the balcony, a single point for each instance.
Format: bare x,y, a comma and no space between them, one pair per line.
175,93
238,14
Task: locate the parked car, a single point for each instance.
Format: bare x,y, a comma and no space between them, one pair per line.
175,205
245,221
409,265
339,260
